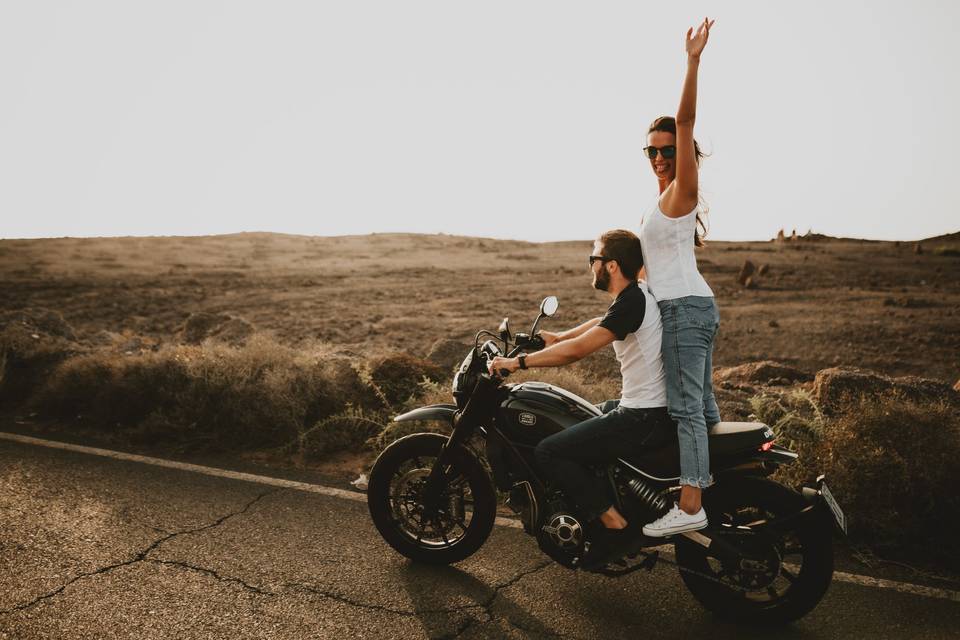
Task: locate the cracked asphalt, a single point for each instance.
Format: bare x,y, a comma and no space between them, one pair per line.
99,548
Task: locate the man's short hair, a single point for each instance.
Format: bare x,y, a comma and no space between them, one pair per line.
624,247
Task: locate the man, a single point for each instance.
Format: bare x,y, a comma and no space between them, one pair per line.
640,418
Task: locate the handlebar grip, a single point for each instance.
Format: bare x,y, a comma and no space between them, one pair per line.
536,342
504,373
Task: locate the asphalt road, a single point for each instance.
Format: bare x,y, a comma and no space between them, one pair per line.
99,548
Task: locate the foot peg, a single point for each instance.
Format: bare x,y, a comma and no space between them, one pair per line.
629,564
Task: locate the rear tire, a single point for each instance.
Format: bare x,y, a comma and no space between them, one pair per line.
470,501
795,590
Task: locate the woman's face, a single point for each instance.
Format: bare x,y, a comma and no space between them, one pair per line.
663,168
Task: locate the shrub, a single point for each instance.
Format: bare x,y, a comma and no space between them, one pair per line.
28,353
212,397
347,431
888,458
398,376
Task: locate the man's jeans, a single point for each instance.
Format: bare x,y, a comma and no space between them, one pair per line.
690,326
620,431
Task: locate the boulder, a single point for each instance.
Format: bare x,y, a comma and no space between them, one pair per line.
40,321
764,372
202,325
234,331
832,386
198,326
746,270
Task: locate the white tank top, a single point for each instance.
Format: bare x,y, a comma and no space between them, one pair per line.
667,245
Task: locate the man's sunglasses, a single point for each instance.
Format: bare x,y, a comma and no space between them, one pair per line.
667,152
602,259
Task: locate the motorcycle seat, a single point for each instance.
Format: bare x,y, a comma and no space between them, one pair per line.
725,439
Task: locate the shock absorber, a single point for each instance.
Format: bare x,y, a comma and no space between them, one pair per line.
647,494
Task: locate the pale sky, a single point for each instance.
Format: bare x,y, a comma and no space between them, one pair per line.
502,119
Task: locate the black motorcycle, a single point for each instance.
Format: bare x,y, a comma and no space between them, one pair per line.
766,557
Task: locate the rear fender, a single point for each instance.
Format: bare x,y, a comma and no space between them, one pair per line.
438,412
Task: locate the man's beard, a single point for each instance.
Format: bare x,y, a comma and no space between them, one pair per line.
601,281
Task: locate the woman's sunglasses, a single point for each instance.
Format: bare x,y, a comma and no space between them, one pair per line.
667,152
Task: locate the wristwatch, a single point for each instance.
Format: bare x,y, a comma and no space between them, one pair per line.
523,361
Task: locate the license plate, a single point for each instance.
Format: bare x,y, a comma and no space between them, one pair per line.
834,507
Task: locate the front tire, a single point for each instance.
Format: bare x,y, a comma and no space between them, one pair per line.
788,571
458,529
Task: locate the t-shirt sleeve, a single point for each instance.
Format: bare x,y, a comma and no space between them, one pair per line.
625,315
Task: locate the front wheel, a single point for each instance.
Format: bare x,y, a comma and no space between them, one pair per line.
784,571
452,531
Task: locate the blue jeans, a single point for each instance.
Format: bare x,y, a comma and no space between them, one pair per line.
620,431
689,328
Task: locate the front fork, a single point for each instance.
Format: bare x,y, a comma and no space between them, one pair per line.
465,423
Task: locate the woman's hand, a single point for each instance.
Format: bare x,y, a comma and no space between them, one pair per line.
549,337
696,42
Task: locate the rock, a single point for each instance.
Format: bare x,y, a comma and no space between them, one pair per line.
751,283
746,271
774,324
780,237
918,248
793,235
202,325
234,331
832,386
956,386
763,372
448,353
40,321
763,270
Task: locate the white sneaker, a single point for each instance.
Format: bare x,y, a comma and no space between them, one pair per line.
675,521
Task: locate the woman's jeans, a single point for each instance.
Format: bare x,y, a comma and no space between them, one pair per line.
564,456
689,327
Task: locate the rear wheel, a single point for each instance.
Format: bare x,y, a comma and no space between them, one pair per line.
449,533
785,571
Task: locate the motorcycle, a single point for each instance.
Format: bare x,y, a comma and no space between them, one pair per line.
766,556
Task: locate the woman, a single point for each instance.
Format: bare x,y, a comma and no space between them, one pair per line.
668,235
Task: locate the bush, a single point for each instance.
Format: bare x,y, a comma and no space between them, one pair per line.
212,397
398,376
31,346
889,460
347,431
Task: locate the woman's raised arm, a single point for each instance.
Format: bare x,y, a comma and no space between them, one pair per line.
685,192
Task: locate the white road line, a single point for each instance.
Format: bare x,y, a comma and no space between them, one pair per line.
838,576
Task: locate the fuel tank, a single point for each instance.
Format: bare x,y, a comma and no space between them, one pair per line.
534,410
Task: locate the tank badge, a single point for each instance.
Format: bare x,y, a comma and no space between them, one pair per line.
768,433
527,419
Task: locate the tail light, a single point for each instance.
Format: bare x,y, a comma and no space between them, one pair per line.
766,446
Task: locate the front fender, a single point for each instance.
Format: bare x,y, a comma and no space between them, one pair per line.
441,412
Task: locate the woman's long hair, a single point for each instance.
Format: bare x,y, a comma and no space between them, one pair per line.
668,124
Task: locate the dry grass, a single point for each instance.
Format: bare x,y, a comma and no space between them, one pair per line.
206,398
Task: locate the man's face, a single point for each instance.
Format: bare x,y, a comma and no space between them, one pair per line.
601,277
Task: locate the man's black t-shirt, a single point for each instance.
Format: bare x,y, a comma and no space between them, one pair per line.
626,313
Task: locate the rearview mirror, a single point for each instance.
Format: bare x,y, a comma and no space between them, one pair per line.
505,330
549,306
